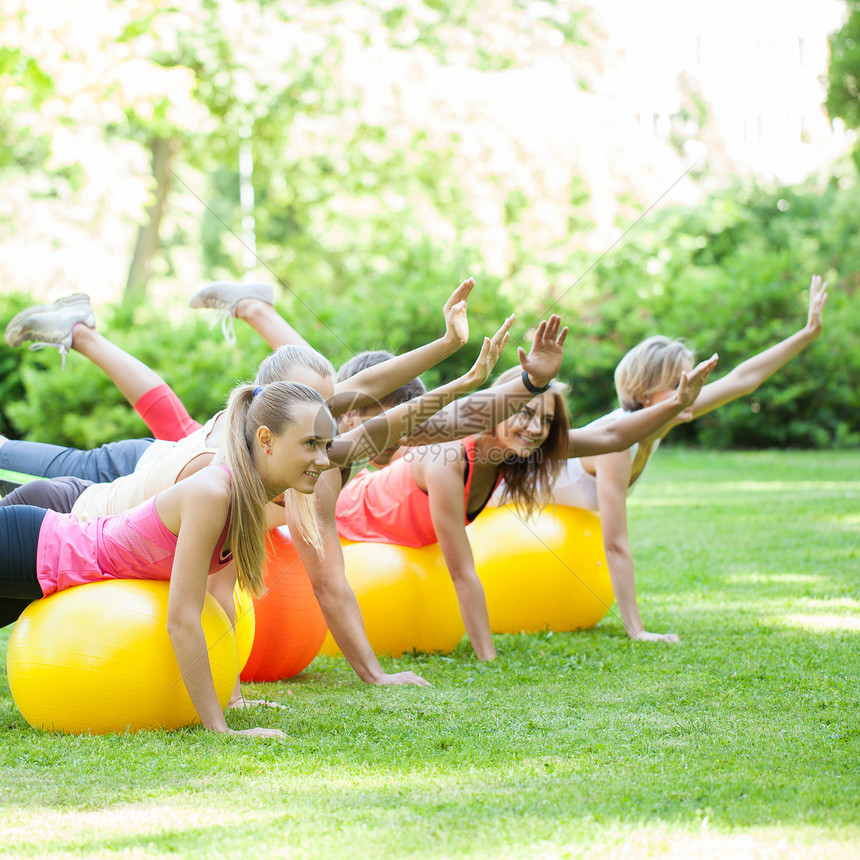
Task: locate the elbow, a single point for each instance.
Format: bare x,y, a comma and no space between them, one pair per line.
615,547
742,383
322,591
608,440
181,625
457,576
461,576
328,586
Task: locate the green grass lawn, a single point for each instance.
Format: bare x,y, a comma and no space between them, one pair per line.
742,741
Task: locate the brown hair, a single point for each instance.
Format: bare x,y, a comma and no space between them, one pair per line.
414,388
273,406
529,480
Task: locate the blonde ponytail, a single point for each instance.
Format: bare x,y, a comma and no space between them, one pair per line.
249,408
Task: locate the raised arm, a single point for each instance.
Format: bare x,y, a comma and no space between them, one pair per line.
626,431
334,594
373,384
485,409
387,429
750,374
613,480
444,481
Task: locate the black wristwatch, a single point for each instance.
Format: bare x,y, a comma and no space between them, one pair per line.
530,386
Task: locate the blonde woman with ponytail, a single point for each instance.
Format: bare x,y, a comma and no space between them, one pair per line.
276,438
253,424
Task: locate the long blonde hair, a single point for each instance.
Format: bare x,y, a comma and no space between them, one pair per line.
654,365
529,480
272,406
279,367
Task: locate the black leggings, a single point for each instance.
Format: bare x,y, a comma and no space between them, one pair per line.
19,539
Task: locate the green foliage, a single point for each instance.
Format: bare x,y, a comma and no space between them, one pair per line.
12,388
81,407
342,210
729,276
843,73
330,187
24,86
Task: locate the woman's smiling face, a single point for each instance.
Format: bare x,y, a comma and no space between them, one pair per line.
526,430
298,456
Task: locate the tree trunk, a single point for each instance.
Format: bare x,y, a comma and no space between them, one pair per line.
163,151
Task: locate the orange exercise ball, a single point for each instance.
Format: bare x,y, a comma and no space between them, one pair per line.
289,625
545,573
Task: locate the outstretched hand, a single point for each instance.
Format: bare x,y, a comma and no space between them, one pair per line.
491,349
456,317
543,361
692,381
817,300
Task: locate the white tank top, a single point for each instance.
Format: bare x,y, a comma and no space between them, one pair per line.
576,488
157,469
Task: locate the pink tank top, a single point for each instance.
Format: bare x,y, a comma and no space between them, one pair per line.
388,506
132,545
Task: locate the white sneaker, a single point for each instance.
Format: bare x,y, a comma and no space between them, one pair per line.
223,296
51,325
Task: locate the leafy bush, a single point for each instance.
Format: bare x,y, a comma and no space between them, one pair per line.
11,382
81,407
729,275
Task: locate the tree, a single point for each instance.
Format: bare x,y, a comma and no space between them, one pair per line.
843,73
24,86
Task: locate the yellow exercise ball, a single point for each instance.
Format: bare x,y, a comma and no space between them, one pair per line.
545,573
246,623
406,597
438,625
97,658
